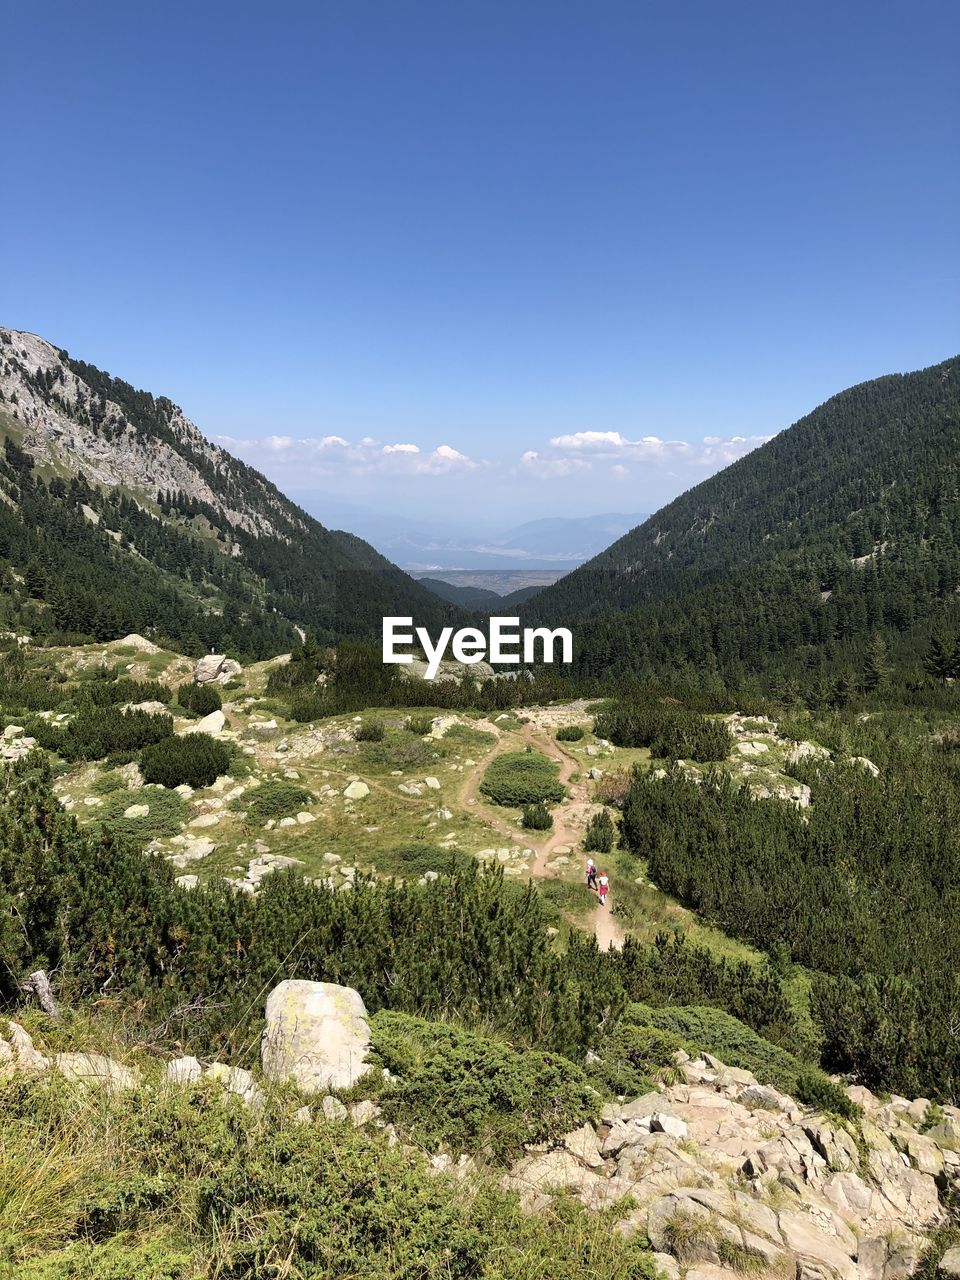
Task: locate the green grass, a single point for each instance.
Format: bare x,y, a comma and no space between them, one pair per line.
565,898
179,1183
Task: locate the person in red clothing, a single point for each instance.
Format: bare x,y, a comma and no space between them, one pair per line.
603,888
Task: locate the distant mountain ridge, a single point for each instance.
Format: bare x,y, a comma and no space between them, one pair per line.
131,518
431,546
845,524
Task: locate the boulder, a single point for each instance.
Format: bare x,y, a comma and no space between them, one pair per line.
950,1264
212,724
136,811
182,1071
583,1144
333,1108
216,667
316,1035
661,1122
94,1068
356,791
20,1054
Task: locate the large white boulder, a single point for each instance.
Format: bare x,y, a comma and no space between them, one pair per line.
212,724
216,667
316,1035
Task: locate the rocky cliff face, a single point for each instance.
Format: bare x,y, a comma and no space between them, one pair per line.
101,484
71,424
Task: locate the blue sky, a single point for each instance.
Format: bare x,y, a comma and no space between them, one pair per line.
570,257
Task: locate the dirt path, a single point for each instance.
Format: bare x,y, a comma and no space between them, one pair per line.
569,820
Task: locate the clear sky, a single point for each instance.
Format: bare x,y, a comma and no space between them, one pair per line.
462,259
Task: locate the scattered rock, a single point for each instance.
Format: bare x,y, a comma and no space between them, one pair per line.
334,1109
136,811
356,791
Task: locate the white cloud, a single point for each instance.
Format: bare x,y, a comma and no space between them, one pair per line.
401,448
590,440
567,452
445,459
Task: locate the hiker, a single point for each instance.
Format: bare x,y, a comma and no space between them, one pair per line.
591,874
604,888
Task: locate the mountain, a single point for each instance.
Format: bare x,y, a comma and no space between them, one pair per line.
846,524
432,546
479,599
117,515
568,538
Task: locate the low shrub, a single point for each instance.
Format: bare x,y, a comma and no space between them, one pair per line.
194,759
200,698
274,798
309,706
468,1092
371,730
631,1057
536,817
420,725
599,833
670,731
522,777
106,693
166,814
418,857
162,1184
97,732
570,733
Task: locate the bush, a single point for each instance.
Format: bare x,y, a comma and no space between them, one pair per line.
369,731
599,834
308,707
167,813
537,817
570,733
632,1057
274,798
201,698
193,759
671,732
521,777
420,725
96,732
468,1092
142,1185
105,693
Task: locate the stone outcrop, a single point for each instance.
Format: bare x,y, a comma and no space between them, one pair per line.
727,1175
316,1035
216,668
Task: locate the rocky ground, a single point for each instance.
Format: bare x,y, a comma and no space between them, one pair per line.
722,1174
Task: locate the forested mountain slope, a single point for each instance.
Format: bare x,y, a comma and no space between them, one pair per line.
845,524
116,514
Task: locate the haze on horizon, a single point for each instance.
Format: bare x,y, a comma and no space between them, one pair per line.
484,265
